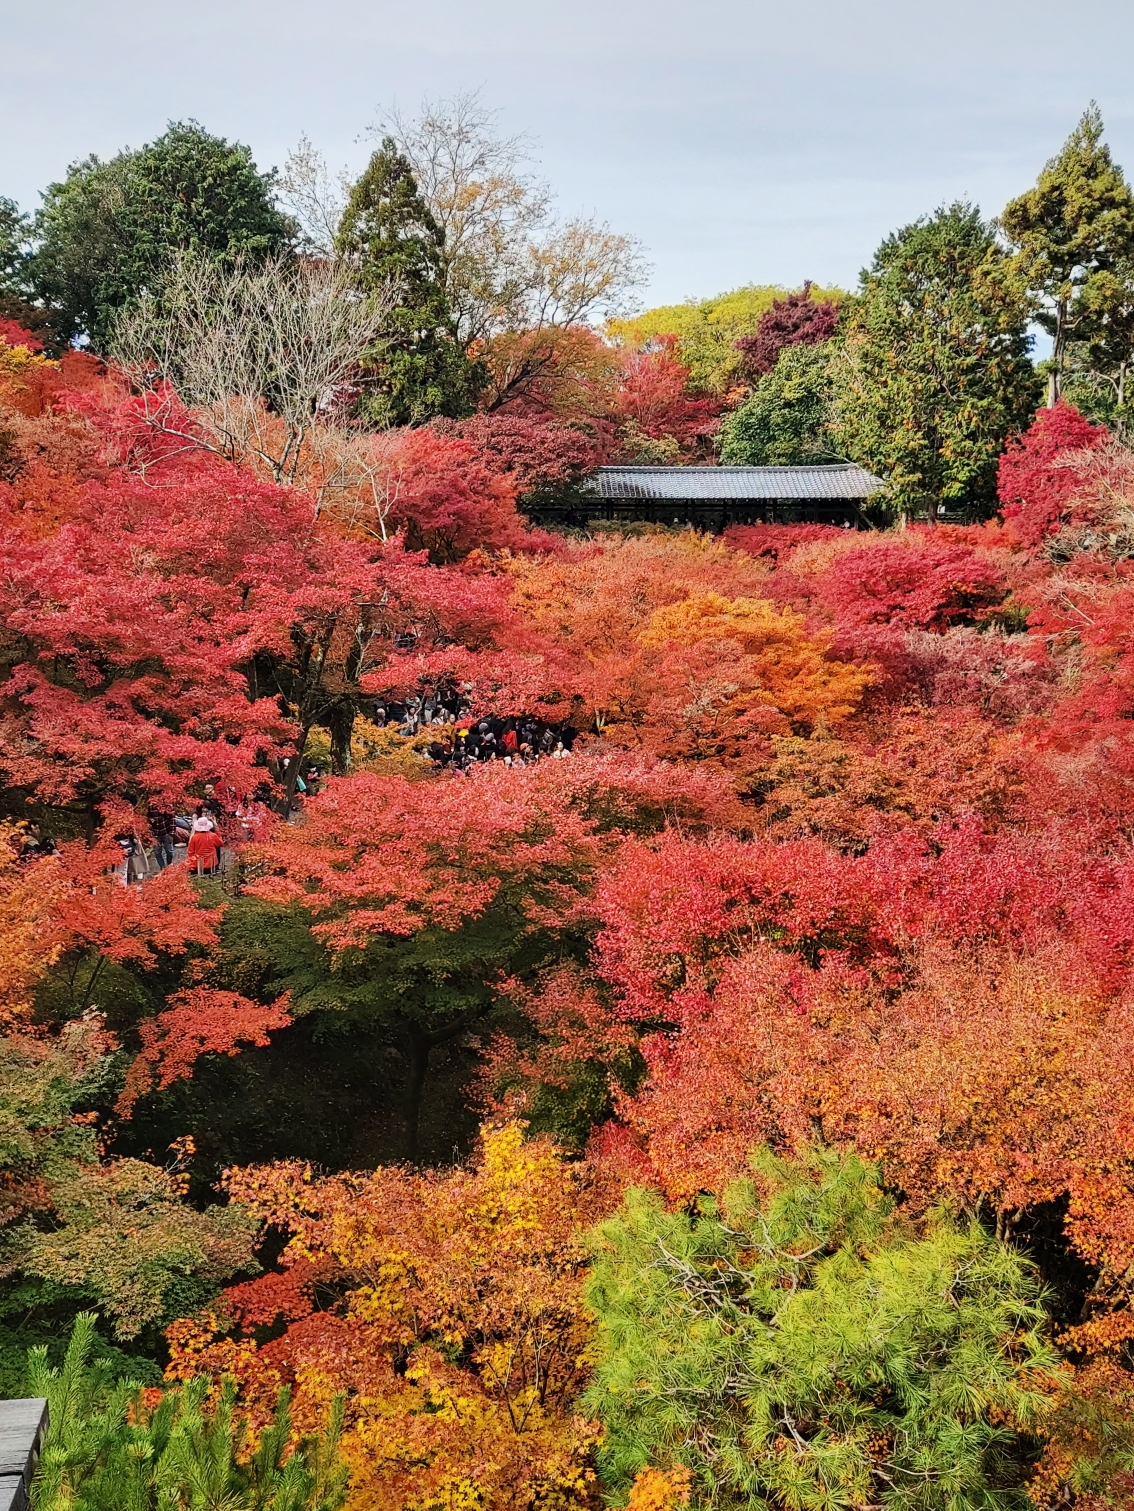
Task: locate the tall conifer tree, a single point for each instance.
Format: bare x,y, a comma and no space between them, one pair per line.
391,237
935,373
1073,231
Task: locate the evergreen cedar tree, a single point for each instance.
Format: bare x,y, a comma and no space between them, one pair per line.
1074,231
839,862
13,238
390,238
106,231
943,307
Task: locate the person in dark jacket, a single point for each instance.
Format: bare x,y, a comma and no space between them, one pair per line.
164,831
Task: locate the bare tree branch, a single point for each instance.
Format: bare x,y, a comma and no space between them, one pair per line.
314,197
509,264
258,352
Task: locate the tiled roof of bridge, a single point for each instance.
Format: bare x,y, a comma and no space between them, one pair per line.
836,480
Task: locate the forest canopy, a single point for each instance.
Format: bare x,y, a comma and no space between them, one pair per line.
498,1016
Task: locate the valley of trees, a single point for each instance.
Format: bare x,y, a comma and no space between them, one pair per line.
659,1031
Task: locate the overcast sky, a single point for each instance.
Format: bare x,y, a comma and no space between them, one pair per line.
742,141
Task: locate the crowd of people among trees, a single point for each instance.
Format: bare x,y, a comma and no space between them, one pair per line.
460,738
738,1112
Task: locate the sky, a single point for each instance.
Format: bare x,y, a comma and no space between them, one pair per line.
742,141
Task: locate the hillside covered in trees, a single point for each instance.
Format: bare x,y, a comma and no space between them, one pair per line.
493,1018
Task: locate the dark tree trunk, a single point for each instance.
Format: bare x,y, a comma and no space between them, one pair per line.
1058,355
340,722
419,1047
283,806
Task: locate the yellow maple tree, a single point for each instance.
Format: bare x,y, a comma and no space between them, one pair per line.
448,1307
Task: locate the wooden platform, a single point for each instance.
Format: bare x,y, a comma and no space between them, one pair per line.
22,1425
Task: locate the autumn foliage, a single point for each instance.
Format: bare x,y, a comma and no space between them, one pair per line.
838,854
459,1330
1037,483
795,320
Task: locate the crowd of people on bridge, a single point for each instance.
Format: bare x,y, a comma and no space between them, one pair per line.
207,834
515,742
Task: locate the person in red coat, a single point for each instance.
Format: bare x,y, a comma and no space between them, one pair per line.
205,845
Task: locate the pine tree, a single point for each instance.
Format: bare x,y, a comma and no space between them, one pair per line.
391,237
109,1447
808,1347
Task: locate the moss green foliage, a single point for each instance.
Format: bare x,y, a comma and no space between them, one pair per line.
785,422
389,235
934,374
1099,359
409,996
17,298
85,1230
105,233
15,230
107,1448
1100,389
708,329
806,1347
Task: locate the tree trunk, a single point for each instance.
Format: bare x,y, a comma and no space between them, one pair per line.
1058,351
340,722
419,1047
284,806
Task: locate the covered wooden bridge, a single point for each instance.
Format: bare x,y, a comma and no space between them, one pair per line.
714,497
